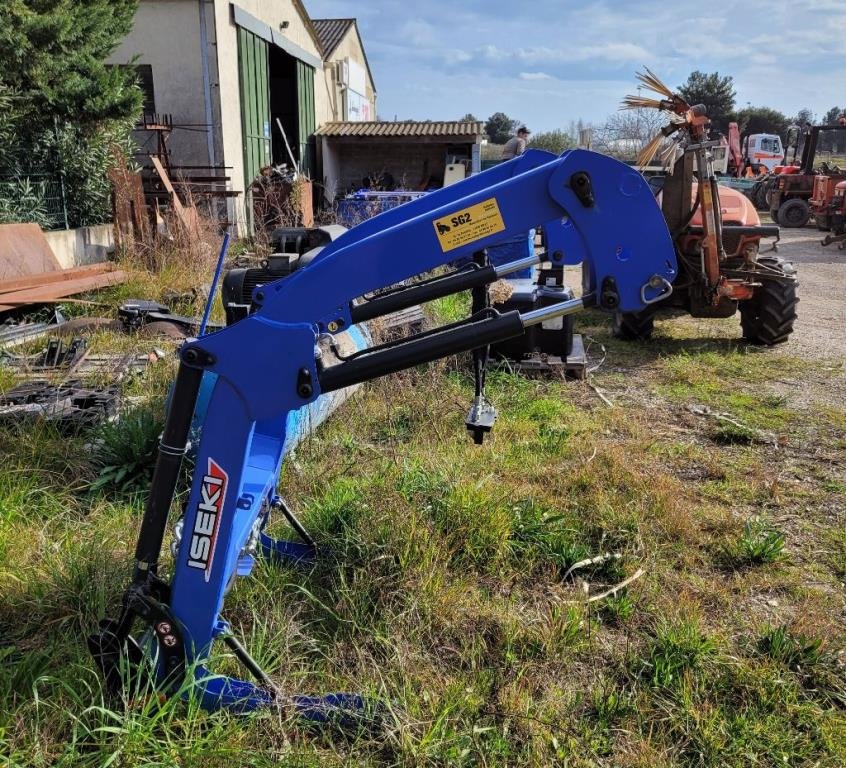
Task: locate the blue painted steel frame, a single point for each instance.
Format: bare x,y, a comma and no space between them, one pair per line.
622,236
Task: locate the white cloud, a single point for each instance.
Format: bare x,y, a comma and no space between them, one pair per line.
535,76
616,52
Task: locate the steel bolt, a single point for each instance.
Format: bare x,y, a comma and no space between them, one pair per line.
332,326
169,640
163,628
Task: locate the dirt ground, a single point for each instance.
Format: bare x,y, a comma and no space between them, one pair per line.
820,331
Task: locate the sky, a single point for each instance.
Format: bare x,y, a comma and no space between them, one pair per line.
549,62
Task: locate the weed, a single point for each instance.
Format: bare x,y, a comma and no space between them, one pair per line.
618,608
125,450
796,651
678,649
759,544
819,672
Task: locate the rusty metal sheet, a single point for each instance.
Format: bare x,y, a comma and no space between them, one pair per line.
47,278
25,251
45,294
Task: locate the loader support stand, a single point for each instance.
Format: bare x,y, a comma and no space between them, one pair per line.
482,415
269,365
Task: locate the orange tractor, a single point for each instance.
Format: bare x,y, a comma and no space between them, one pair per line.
800,189
716,231
835,215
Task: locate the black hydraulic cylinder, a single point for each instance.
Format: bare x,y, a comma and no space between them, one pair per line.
419,294
381,362
166,474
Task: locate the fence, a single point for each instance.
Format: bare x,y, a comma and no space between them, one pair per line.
35,197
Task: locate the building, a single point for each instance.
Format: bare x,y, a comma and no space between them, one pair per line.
229,74
407,154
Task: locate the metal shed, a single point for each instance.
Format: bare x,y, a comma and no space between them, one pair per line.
405,154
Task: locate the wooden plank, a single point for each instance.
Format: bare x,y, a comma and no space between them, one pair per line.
25,251
46,278
175,201
48,293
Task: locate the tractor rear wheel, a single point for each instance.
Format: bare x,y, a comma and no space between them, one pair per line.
794,213
767,193
768,317
759,192
633,326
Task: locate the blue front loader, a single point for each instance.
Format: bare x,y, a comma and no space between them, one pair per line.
270,365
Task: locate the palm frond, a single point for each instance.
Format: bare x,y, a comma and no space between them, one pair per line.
641,102
648,152
651,81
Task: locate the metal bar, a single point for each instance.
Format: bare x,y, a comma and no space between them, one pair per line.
210,300
280,504
250,663
516,266
536,316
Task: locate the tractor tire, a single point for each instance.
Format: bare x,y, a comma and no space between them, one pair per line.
794,213
766,194
631,326
767,318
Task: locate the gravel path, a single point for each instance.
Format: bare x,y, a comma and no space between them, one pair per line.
820,331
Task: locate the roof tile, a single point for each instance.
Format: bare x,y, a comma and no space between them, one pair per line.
331,32
440,128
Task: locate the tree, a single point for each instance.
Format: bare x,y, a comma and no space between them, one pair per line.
68,107
500,127
832,116
625,133
53,52
715,92
552,141
469,118
761,120
805,115
832,141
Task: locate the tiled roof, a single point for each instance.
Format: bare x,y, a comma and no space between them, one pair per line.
405,128
331,32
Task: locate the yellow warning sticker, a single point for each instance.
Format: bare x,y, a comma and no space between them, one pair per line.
469,225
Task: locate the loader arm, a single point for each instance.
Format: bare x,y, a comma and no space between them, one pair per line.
268,366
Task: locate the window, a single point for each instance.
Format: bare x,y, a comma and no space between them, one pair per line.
144,77
144,73
770,145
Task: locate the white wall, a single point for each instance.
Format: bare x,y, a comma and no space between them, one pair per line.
85,245
349,47
166,35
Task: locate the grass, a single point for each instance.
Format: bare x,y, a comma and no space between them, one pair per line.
442,590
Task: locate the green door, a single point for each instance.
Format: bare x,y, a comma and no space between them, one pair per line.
255,104
306,120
